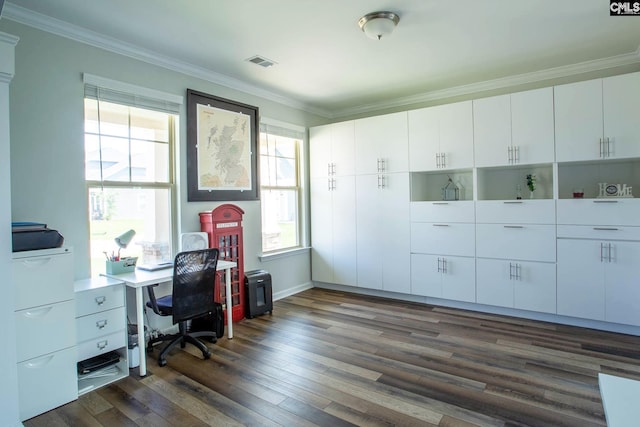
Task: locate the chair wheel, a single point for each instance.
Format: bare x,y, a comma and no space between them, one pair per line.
206,355
162,362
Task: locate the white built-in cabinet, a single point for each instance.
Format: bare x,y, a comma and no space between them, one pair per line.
598,259
443,250
441,137
45,330
598,119
493,242
381,144
333,213
514,129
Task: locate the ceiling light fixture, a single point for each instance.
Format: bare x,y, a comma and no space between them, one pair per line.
378,24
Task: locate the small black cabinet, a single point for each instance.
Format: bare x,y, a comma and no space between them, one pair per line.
258,293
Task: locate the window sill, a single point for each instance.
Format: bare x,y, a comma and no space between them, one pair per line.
283,254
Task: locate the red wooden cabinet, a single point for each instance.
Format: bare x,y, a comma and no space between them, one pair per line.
224,227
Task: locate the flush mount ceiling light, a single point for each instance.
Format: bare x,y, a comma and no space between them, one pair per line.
378,24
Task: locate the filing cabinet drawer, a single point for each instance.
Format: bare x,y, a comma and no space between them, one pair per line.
443,211
42,280
44,329
516,211
517,242
99,324
101,345
47,382
443,238
101,299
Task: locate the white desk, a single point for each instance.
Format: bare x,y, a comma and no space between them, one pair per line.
620,400
140,279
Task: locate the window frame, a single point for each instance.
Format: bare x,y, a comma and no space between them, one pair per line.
264,127
170,184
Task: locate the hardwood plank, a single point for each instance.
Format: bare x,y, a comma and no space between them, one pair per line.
328,358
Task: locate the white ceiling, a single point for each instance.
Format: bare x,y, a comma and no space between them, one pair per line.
326,65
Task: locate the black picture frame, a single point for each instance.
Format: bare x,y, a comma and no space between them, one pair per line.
219,134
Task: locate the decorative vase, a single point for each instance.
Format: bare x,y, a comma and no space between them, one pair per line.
531,194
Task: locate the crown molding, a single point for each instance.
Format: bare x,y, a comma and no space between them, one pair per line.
85,36
82,35
501,83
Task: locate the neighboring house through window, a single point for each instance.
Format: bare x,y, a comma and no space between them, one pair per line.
130,135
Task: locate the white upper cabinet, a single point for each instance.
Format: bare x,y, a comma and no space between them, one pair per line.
382,144
621,110
514,129
441,137
598,119
332,150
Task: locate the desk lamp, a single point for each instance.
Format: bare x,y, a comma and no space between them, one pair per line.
124,239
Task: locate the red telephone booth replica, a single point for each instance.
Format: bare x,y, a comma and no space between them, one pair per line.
224,227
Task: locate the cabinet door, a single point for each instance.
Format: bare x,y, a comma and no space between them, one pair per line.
456,134
394,228
534,287
343,148
532,133
581,291
578,120
371,249
493,282
319,151
344,230
459,279
621,106
426,275
424,146
492,130
622,280
321,230
382,139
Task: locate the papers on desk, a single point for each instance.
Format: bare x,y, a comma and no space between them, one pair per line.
154,267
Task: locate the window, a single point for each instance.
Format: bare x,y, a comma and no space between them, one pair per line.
280,187
129,172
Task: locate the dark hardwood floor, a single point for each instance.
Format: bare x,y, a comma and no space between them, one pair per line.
327,358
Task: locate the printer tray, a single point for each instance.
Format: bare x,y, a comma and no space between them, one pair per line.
31,240
98,362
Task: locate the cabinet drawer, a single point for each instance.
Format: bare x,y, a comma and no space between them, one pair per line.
42,280
455,211
516,212
101,345
599,212
598,232
100,324
518,242
44,329
101,299
47,382
443,238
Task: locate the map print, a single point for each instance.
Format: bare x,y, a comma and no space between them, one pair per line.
224,154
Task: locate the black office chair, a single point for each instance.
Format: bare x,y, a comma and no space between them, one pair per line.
194,274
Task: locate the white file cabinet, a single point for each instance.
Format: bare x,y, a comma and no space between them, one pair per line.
101,327
45,329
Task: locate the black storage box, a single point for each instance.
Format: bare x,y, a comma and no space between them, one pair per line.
258,293
31,240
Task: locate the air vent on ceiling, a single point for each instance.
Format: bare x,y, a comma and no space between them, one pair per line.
261,61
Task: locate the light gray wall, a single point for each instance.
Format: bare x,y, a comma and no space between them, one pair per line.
47,146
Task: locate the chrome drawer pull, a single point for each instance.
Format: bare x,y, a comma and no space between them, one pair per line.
605,201
102,344
605,228
100,324
100,300
515,202
513,226
441,225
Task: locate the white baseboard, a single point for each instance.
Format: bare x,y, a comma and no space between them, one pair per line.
292,291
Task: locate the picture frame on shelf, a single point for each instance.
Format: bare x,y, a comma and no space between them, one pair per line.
222,149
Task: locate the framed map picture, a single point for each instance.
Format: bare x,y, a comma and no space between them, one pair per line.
222,149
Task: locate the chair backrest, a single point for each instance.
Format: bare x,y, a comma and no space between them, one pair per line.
194,274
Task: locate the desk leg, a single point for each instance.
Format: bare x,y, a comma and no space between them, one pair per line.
141,341
227,275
